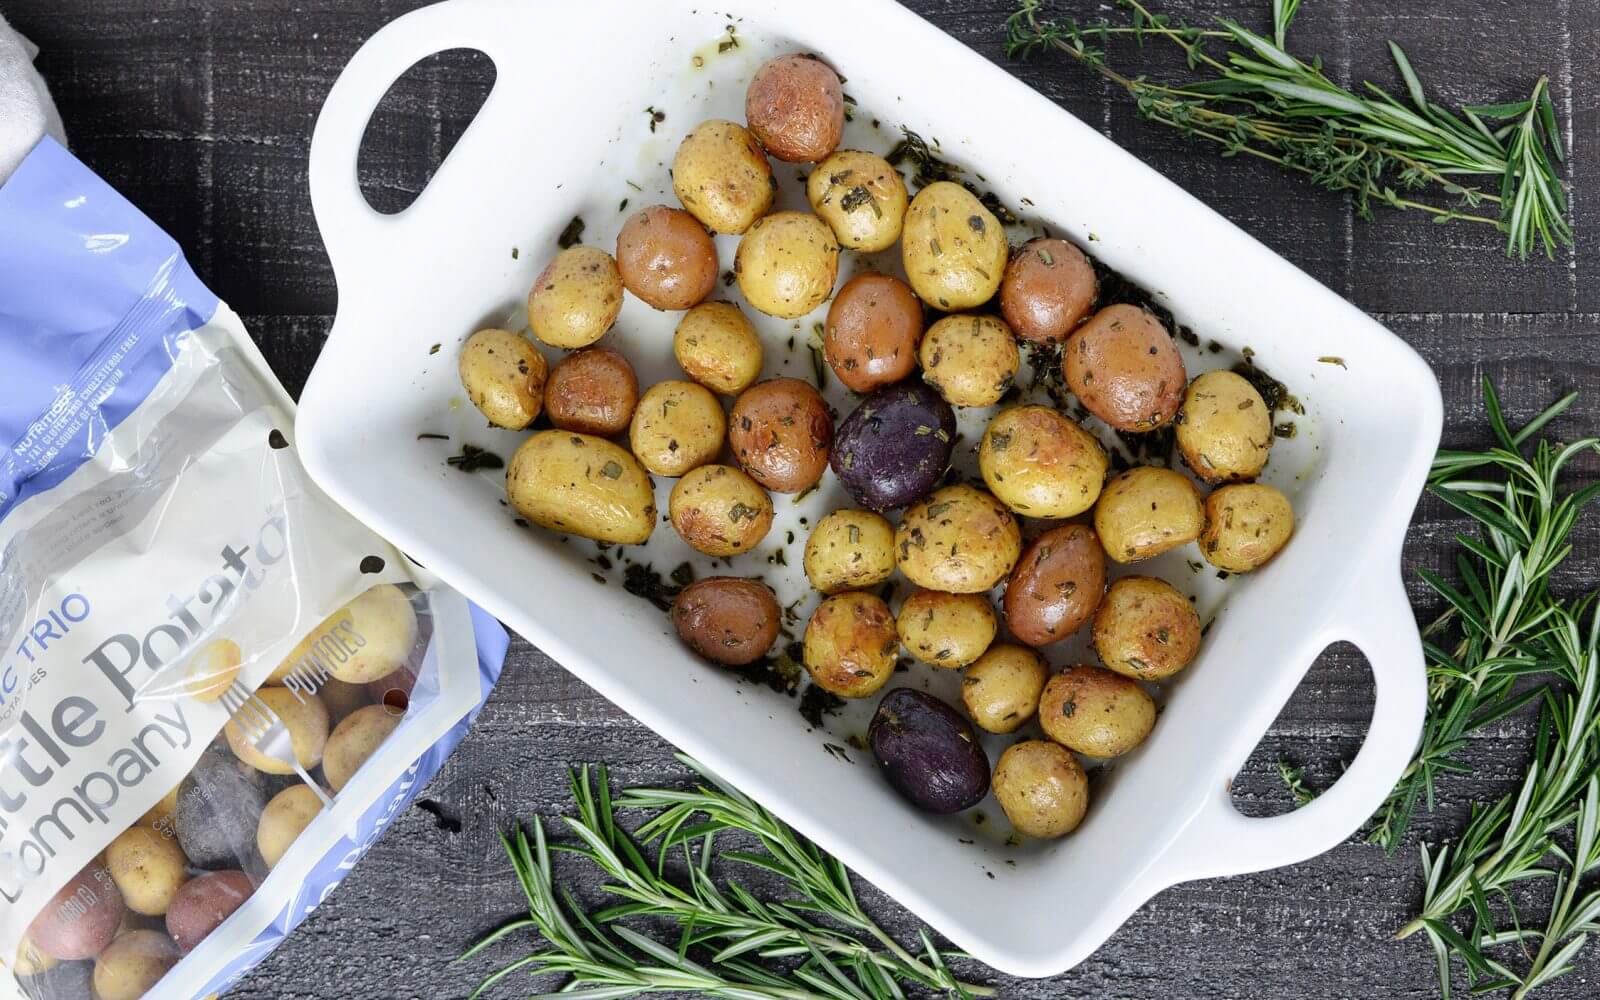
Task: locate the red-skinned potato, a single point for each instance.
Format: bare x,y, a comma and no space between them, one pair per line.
795,106
1125,368
871,335
1048,289
781,433
666,257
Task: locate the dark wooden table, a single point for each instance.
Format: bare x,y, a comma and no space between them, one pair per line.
201,113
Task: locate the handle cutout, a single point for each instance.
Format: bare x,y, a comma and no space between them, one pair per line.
419,121
1319,731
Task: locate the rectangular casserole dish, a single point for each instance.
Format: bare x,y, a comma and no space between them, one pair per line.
563,132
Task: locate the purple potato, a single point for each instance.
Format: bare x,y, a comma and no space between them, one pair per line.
895,447
929,752
66,981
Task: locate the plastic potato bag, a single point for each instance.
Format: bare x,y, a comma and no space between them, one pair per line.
163,555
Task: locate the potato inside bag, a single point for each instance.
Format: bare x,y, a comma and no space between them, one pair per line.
164,559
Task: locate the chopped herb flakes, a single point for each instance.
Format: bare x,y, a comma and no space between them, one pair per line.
572,235
472,458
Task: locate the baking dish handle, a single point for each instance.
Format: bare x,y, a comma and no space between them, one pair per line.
1222,841
348,223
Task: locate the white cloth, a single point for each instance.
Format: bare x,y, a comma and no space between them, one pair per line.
27,113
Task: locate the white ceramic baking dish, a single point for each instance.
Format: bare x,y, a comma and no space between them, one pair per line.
565,131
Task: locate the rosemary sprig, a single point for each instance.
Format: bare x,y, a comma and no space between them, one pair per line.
827,946
1257,99
1294,779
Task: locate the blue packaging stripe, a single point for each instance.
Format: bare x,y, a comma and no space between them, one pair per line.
94,306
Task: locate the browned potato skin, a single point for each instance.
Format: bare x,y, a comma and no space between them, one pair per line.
1125,368
1056,585
781,433
1224,428
953,248
592,391
970,359
849,549
959,539
946,630
1039,462
1042,789
1247,524
1001,690
795,106
1146,629
504,376
676,427
850,644
719,510
1048,289
1146,511
870,338
722,176
1108,715
666,257
787,263
727,619
716,346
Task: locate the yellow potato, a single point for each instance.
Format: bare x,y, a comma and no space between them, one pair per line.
30,961
960,540
582,485
1001,690
861,198
1146,629
132,964
719,510
576,298
954,249
307,721
1246,525
716,346
850,644
722,176
786,264
503,374
946,630
676,426
1146,511
354,740
285,818
342,698
1041,463
1224,428
368,638
159,816
1096,712
1042,789
972,360
148,867
849,550
212,669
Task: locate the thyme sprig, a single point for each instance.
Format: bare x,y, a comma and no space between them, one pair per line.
824,944
1492,164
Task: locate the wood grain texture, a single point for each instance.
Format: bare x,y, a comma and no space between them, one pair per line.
201,113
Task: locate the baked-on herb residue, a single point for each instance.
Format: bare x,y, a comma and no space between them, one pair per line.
572,235
641,580
472,458
928,167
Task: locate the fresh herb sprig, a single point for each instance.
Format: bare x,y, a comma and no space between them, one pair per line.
1492,164
826,945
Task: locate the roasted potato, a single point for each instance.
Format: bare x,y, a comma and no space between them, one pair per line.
503,375
1146,629
1146,511
928,751
960,540
722,176
306,719
592,391
1124,367
860,197
582,485
1040,463
719,510
1224,428
716,346
1001,690
1246,525
970,359
576,298
1056,585
677,426
954,249
870,337
1096,712
666,257
1048,288
895,447
781,433
795,106
946,630
850,644
355,740
786,264
727,619
1042,789
848,550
